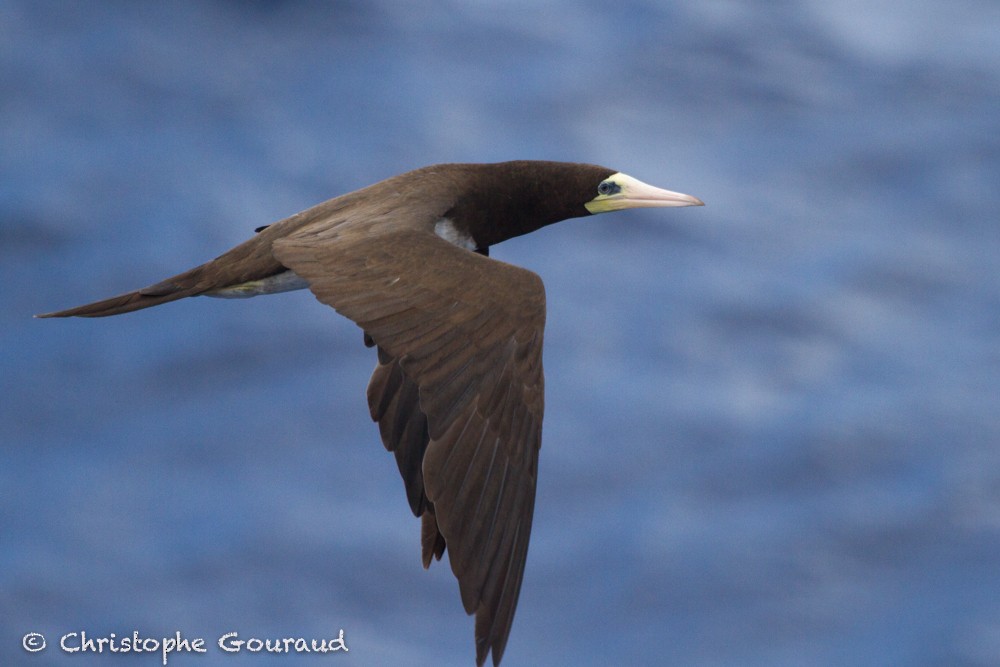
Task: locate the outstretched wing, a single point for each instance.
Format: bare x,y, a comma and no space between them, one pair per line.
464,333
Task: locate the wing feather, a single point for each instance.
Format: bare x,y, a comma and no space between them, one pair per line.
457,393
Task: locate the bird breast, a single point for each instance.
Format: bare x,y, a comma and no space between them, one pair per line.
447,230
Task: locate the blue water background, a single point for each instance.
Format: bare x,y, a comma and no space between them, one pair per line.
773,424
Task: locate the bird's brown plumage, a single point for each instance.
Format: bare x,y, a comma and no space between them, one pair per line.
458,387
474,356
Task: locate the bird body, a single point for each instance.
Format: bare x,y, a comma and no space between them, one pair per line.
458,388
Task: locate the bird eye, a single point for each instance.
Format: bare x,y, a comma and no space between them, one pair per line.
608,188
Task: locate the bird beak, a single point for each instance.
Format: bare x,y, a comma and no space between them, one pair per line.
630,192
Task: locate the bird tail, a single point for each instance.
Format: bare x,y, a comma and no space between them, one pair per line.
248,262
180,286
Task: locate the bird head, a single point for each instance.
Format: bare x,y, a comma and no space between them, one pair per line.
502,200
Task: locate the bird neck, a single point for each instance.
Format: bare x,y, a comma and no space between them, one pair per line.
511,199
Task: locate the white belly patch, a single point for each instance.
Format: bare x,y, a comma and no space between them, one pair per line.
446,229
286,281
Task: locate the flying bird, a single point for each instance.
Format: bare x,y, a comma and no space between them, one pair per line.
457,389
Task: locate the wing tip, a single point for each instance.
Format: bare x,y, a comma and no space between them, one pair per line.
485,647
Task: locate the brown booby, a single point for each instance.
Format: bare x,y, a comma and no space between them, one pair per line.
457,390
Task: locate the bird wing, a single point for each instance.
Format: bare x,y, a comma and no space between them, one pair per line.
464,333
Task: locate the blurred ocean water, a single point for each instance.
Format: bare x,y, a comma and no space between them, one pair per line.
772,424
